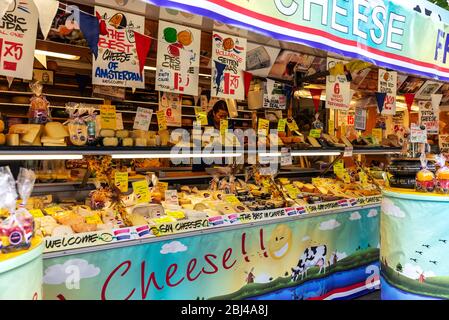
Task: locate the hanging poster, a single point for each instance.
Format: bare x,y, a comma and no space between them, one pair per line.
117,63
387,83
259,59
428,118
426,91
443,141
18,30
287,62
178,58
338,89
170,103
231,51
127,5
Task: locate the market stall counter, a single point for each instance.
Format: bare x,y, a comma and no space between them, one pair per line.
323,251
21,273
414,265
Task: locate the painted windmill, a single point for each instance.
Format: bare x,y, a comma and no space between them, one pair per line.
250,276
422,277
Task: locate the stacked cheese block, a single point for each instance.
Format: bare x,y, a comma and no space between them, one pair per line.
52,134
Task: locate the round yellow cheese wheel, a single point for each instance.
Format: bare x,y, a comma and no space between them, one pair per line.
2,126
2,139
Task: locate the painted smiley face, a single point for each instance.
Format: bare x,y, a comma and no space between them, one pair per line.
280,241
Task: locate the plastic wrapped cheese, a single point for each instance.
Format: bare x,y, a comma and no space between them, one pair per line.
55,130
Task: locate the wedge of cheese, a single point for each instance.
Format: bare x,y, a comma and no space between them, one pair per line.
28,132
56,130
45,139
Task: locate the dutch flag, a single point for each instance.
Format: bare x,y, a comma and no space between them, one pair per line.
300,210
290,211
343,203
353,202
122,234
233,218
215,221
143,231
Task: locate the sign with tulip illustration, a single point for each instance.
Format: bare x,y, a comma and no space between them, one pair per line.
117,63
178,59
228,64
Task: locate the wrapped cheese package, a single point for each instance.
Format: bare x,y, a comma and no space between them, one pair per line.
442,175
425,179
77,126
39,111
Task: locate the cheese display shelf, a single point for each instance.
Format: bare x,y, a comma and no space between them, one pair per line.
21,273
414,240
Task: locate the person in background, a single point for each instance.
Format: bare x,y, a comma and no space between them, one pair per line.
218,112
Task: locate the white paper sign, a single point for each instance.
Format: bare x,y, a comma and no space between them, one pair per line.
286,157
171,104
443,141
119,125
338,89
178,58
142,120
171,197
117,63
259,59
387,82
417,135
18,30
428,117
360,119
231,51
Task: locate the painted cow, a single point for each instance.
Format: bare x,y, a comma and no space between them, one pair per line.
312,256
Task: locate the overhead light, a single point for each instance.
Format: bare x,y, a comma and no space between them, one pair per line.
57,55
154,69
317,153
175,156
41,157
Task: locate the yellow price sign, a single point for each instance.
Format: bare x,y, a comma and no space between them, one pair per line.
108,117
281,125
292,125
176,214
94,219
315,133
201,116
54,210
141,191
377,133
292,191
331,126
161,120
339,166
223,128
121,181
232,199
263,127
37,213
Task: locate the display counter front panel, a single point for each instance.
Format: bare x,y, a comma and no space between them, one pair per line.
330,256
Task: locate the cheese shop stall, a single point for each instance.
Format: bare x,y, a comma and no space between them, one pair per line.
210,150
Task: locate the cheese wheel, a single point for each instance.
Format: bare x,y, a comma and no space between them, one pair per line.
141,142
55,130
12,139
127,142
105,133
110,141
2,126
2,139
139,134
122,134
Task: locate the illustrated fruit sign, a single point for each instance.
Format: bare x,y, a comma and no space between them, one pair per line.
118,63
18,29
229,51
178,58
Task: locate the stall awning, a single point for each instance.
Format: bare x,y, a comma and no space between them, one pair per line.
390,34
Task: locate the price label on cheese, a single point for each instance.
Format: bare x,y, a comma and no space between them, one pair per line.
54,210
286,157
162,186
292,125
161,120
339,166
108,117
223,127
171,197
292,191
331,126
315,133
119,120
142,120
348,152
176,214
263,127
232,199
201,116
377,133
37,213
141,191
93,219
121,181
281,125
